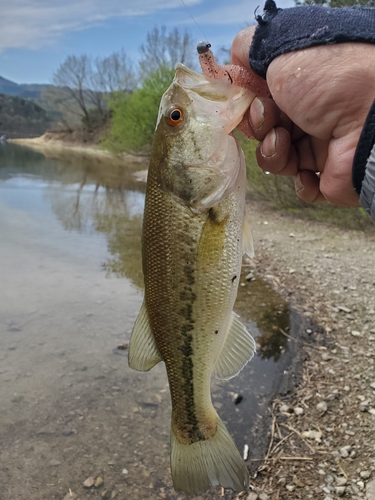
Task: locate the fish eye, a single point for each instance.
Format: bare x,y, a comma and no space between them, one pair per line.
174,116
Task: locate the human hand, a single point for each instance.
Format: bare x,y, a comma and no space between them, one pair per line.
310,130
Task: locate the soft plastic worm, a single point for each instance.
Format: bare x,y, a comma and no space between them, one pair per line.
238,75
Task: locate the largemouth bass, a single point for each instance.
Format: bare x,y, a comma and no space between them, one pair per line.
192,251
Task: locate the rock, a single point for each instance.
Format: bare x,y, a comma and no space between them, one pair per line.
365,474
341,481
99,482
252,496
249,277
370,490
285,409
345,450
340,490
322,406
263,496
70,496
54,462
312,435
356,333
89,483
372,385
67,432
125,471
298,411
290,487
364,405
344,309
326,356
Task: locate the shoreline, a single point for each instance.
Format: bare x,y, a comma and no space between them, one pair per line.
54,147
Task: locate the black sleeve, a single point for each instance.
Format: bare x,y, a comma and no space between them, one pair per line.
280,31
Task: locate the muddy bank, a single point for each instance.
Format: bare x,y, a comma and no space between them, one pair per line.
62,145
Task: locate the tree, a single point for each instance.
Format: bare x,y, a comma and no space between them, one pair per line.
134,115
74,75
163,49
89,83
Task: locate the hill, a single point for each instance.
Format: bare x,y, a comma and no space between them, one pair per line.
27,91
21,118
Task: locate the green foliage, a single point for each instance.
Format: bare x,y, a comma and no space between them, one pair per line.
134,115
279,192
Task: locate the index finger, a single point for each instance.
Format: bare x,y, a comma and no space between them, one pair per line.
241,47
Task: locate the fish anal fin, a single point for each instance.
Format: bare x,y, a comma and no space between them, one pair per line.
239,347
143,351
213,461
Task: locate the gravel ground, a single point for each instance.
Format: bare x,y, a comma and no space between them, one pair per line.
322,444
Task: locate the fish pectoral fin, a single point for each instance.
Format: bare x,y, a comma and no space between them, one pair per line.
239,347
247,238
143,351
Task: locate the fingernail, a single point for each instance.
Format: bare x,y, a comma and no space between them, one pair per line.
256,113
269,144
298,184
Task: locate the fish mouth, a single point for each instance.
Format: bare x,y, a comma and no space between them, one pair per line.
212,90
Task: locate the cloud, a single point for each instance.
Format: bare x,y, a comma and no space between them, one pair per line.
35,23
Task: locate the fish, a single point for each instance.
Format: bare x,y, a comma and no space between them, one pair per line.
193,237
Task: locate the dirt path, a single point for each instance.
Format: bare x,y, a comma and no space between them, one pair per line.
328,425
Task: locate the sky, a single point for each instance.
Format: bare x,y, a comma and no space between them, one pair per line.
36,36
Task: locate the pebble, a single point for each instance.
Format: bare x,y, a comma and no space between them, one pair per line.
345,450
322,406
89,483
370,490
364,405
263,496
67,432
341,481
312,435
252,496
54,462
284,409
372,385
356,333
340,490
298,410
365,474
99,482
70,496
326,356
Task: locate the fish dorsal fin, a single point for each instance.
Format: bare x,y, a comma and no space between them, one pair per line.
238,349
143,351
247,238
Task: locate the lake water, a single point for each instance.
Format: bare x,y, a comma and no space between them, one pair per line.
70,290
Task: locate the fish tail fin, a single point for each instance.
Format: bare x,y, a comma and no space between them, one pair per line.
214,461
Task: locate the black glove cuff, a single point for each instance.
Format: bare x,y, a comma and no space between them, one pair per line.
280,31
